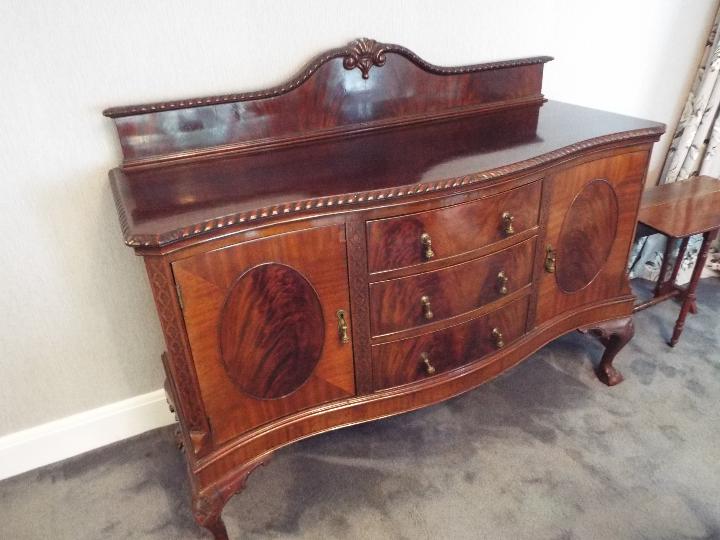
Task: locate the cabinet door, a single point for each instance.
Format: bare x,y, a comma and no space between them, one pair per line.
592,215
262,321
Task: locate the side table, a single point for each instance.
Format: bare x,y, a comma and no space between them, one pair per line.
679,211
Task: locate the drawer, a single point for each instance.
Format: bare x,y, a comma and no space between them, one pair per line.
414,239
408,302
408,360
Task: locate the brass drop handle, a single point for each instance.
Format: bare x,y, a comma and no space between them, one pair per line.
502,281
498,337
429,368
342,327
508,219
426,242
427,308
549,259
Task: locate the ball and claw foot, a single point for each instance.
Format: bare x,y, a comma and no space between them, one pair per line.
609,375
614,335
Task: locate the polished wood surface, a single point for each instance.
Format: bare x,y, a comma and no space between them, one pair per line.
596,275
614,335
271,331
398,242
409,360
212,281
682,208
372,251
333,94
397,304
225,467
587,235
690,296
159,206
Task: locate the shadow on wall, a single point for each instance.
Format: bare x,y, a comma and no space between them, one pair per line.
120,334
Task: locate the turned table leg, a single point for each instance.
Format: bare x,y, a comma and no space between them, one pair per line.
662,284
614,335
689,298
678,262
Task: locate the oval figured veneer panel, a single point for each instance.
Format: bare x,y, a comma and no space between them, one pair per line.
587,235
271,331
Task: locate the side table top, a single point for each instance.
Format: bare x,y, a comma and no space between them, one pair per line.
682,208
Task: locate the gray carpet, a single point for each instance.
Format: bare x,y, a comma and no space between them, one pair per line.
543,452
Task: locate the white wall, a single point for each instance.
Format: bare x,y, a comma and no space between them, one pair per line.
78,326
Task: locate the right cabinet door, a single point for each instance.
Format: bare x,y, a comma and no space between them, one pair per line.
592,215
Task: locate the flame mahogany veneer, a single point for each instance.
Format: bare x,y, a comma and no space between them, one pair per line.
376,235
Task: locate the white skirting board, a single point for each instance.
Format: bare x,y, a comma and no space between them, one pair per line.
73,435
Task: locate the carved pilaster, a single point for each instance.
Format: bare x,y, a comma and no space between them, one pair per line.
359,297
179,360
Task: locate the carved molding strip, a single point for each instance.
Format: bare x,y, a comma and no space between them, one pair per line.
359,298
339,202
122,214
360,53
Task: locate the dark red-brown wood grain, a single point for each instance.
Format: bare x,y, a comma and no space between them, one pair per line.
261,215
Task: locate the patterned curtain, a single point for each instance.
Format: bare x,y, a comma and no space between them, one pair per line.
693,152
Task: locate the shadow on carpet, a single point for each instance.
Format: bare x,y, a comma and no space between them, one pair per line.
543,452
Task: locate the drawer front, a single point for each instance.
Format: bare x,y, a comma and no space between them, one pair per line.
408,360
408,302
414,239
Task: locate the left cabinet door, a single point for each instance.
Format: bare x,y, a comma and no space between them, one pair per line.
263,322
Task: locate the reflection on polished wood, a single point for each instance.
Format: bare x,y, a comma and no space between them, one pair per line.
454,230
376,235
682,208
166,204
454,289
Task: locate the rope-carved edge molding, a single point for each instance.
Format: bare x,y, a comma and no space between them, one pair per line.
363,54
350,199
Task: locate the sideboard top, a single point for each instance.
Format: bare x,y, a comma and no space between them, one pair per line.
359,124
163,204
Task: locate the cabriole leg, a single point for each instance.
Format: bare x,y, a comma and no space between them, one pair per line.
208,504
614,335
690,297
218,530
207,510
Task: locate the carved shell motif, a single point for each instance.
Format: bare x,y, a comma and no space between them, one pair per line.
363,54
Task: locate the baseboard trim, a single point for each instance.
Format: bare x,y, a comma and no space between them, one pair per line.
47,443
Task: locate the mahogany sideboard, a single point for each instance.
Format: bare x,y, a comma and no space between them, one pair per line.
376,235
